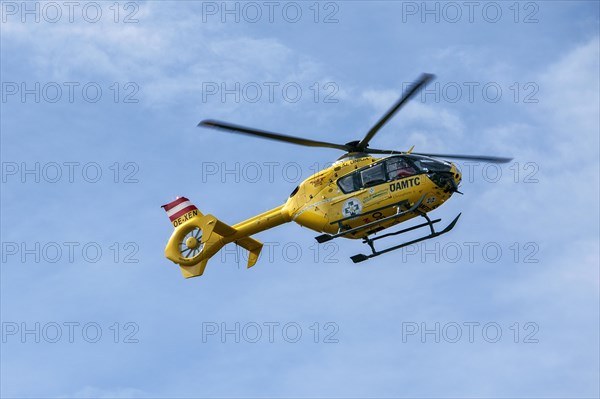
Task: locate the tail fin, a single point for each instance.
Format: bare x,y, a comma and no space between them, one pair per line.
197,237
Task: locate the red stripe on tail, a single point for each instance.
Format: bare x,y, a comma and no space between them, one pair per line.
173,204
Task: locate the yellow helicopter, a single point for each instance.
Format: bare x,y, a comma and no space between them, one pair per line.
358,196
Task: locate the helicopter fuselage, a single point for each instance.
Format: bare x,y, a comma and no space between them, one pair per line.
324,203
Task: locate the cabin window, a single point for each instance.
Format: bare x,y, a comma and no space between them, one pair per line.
373,176
347,183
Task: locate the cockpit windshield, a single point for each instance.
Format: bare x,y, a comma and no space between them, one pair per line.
430,165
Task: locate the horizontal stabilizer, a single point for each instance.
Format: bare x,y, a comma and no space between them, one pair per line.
223,229
252,246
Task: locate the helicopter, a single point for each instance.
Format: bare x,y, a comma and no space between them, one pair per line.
364,192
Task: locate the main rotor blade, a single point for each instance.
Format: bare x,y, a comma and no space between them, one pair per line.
383,152
421,81
484,158
269,135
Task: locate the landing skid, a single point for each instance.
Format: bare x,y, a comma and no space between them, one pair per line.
361,257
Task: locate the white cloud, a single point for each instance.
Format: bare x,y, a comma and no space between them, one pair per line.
570,103
158,54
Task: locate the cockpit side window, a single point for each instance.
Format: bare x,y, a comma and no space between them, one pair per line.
398,168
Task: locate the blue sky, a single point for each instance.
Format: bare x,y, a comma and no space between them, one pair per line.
165,69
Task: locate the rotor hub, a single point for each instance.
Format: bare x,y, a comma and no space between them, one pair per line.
353,146
191,242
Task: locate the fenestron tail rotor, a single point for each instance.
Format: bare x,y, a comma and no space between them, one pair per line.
191,245
361,146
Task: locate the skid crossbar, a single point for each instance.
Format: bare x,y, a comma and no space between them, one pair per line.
369,241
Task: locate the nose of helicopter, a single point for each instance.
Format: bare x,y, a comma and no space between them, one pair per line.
456,175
